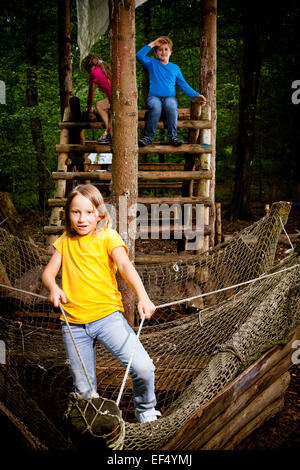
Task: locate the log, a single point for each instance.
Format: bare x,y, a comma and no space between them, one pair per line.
147,200
160,231
192,428
142,175
161,259
174,200
274,392
93,147
174,175
218,223
185,124
243,401
81,175
26,437
273,408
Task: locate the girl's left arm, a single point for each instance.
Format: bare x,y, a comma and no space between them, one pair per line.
129,273
91,96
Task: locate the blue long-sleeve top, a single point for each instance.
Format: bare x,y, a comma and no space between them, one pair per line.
163,77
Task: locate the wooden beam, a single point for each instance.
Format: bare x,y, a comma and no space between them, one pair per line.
174,175
274,392
186,124
93,147
273,408
164,258
185,148
147,201
142,175
161,231
174,200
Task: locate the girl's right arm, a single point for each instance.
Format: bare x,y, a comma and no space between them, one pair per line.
56,294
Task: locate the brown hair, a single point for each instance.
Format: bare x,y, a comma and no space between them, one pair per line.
167,40
93,59
93,194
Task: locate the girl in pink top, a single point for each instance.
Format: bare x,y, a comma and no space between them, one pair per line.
100,75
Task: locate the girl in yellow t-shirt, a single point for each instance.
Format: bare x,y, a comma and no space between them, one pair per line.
89,253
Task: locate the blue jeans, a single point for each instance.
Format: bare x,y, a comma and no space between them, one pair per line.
118,337
155,105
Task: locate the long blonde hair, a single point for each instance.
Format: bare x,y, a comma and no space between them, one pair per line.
93,194
93,59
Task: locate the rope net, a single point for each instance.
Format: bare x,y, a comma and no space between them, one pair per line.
197,346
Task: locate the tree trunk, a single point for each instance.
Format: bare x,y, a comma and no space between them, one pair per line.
64,52
125,115
240,204
207,87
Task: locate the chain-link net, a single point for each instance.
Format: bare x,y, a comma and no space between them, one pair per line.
197,347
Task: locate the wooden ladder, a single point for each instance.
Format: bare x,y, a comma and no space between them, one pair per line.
191,177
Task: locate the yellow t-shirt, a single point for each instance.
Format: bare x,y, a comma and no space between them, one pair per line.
88,275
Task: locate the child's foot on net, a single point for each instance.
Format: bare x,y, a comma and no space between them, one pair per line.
145,141
175,141
105,139
147,416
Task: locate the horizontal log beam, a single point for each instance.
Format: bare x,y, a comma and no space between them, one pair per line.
184,124
183,257
175,175
184,148
175,200
142,175
148,200
161,231
181,124
94,147
141,167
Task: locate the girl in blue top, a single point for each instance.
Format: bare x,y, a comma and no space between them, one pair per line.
163,76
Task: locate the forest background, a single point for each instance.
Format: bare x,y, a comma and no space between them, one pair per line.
31,113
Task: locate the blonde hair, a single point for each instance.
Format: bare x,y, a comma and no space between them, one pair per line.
93,194
93,59
167,40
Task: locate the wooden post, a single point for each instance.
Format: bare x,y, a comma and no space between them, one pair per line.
125,115
203,187
207,86
218,223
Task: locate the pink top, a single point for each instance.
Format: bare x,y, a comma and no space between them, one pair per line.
101,80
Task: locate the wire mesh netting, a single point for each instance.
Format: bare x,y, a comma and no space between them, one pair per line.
197,346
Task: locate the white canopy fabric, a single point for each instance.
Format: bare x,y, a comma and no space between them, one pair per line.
93,21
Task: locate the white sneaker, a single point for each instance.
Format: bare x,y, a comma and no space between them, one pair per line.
147,416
